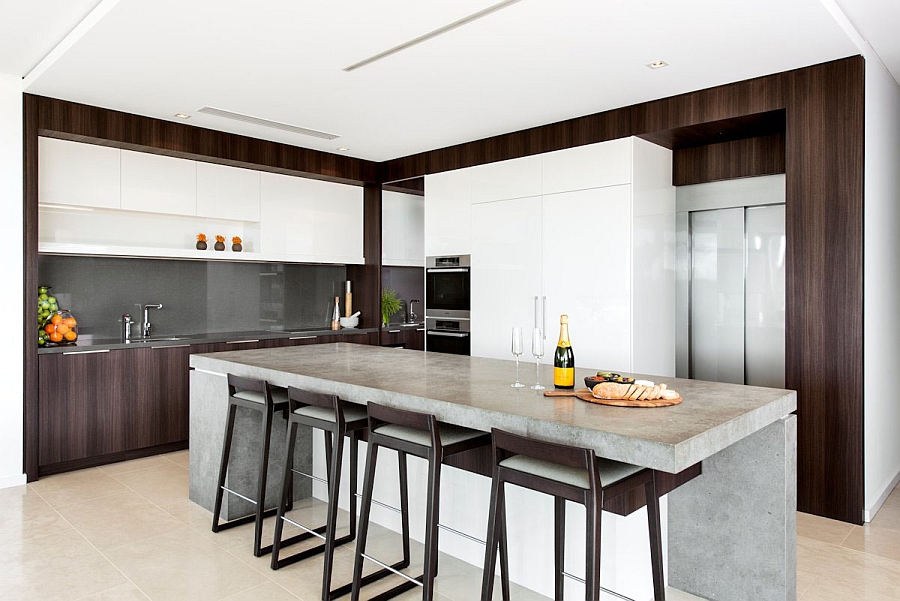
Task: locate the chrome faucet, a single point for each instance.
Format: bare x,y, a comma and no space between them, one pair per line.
411,316
126,327
146,327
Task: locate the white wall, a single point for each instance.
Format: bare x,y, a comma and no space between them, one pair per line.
881,283
11,299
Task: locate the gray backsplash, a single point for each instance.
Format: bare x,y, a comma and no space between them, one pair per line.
198,297
409,284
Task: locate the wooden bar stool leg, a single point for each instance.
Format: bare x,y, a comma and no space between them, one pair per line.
559,548
492,541
368,485
404,506
261,483
659,585
354,474
432,517
286,485
504,548
593,507
223,464
334,491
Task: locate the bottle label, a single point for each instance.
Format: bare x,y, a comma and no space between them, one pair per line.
564,377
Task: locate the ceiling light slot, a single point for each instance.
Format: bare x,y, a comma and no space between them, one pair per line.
303,131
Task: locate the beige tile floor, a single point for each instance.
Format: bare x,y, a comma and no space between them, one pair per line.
128,531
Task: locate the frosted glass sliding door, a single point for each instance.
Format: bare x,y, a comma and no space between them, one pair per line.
717,295
765,299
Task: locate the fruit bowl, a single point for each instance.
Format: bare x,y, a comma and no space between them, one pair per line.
60,329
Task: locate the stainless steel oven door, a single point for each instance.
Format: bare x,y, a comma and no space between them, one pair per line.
447,291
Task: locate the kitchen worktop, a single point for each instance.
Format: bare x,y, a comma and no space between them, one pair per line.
97,344
476,393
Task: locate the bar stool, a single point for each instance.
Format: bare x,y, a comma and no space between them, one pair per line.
577,475
421,435
256,395
336,419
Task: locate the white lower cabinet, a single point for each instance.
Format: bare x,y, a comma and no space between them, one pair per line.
587,274
506,273
314,219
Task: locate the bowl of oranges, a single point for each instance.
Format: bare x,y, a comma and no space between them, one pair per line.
59,329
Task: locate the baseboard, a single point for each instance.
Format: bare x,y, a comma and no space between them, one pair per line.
14,480
869,513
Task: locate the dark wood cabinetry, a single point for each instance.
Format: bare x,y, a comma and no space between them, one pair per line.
409,338
98,407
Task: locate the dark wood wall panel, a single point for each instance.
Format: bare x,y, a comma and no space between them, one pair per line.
367,278
823,159
750,157
84,123
30,268
824,336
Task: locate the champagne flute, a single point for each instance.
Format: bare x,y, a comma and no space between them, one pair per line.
537,349
518,347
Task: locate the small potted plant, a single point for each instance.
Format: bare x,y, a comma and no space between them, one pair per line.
220,243
236,244
390,304
201,241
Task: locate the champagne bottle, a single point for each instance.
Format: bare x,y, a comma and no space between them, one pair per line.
564,359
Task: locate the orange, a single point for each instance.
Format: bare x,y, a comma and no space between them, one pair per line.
49,328
70,321
70,335
63,328
56,319
56,337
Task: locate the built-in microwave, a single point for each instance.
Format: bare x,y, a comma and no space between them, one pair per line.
447,286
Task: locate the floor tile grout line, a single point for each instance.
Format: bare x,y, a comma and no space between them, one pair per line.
101,553
844,540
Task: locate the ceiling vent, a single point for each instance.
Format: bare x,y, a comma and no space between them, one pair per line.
266,123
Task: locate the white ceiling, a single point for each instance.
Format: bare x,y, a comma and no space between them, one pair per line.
29,29
878,22
534,62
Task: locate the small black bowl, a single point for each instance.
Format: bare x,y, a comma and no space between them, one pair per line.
591,381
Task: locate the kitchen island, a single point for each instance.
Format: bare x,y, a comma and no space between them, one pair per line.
731,531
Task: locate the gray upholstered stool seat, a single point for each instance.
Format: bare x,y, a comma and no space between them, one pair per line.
610,471
352,412
279,395
450,435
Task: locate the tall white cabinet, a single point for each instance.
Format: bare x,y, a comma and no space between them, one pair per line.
591,229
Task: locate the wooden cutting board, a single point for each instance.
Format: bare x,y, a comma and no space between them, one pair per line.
585,395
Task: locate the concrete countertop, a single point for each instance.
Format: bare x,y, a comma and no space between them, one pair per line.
98,344
476,393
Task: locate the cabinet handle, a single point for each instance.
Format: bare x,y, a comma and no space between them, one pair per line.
393,331
86,352
453,270
172,346
241,341
302,337
447,334
420,329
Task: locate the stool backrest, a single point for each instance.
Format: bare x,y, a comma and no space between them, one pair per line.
297,397
238,384
507,444
379,415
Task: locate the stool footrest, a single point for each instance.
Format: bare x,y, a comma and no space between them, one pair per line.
310,476
416,581
602,589
374,576
237,494
317,532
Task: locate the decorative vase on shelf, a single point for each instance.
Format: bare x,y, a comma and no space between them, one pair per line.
201,241
201,245
220,243
236,244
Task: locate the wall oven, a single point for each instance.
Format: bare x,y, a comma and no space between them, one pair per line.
447,336
447,286
447,304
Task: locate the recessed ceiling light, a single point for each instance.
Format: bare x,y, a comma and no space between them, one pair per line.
342,148
182,116
658,64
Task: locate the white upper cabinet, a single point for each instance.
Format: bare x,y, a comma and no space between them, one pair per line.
591,166
310,218
447,213
225,192
515,178
72,173
158,184
402,229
